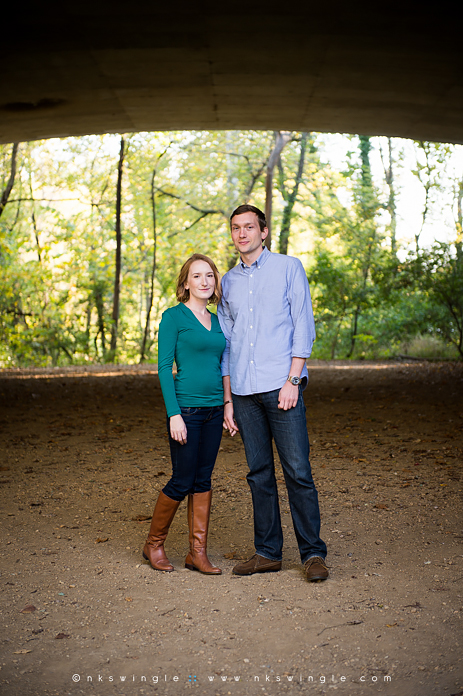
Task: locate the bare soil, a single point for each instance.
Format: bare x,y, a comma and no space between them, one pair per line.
83,456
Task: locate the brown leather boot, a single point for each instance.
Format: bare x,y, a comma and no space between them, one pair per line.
164,513
199,509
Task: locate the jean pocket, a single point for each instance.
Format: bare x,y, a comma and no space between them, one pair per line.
190,411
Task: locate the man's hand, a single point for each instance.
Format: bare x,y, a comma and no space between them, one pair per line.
288,396
178,429
228,420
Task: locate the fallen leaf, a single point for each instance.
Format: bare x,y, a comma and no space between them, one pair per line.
141,518
62,635
21,652
28,609
128,599
230,556
381,506
101,540
391,625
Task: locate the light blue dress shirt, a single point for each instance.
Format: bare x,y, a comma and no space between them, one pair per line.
267,318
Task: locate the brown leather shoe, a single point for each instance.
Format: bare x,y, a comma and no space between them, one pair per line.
316,569
164,513
199,510
256,564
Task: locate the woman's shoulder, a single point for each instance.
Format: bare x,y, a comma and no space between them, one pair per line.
175,311
173,314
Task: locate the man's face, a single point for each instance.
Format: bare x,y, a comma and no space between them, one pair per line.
247,235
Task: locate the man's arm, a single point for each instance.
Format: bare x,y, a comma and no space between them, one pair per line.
301,312
226,324
304,333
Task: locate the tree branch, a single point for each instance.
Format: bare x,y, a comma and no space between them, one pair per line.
191,205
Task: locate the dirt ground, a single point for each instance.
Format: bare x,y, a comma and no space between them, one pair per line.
83,456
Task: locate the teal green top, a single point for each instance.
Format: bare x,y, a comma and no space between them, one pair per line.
197,353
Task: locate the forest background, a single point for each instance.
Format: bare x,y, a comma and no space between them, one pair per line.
93,232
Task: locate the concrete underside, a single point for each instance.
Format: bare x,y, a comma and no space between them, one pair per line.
97,67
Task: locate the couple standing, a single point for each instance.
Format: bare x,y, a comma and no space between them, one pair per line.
246,370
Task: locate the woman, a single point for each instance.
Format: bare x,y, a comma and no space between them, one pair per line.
190,335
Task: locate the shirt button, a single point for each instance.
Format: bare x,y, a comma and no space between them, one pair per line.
252,362
250,292
252,344
250,327
250,309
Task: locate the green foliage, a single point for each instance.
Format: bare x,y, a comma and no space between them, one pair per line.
57,243
437,274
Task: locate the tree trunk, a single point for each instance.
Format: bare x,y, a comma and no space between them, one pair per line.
290,198
99,304
9,184
368,207
153,268
391,204
459,239
281,139
117,278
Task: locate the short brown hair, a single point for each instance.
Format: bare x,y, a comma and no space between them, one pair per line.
183,295
251,209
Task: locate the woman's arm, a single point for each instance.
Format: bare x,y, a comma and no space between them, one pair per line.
167,341
228,418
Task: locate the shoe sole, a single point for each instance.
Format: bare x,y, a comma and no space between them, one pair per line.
318,578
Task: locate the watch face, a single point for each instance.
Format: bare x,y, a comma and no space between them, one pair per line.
295,380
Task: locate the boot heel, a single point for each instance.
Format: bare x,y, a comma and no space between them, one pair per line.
190,566
145,556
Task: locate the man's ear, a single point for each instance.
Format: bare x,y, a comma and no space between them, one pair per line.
264,233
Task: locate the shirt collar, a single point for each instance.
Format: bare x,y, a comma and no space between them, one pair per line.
259,261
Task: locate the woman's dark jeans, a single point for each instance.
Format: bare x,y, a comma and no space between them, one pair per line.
260,421
193,463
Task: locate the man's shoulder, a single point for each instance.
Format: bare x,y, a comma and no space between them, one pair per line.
230,276
232,271
284,260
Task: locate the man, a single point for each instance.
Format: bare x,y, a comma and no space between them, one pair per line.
266,316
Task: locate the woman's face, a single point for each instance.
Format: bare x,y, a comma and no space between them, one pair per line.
200,281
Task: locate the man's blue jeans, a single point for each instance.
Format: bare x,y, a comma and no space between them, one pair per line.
260,420
193,463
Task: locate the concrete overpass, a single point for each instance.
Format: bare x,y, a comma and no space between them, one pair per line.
95,66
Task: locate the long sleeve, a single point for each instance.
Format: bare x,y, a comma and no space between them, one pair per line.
301,312
226,324
167,341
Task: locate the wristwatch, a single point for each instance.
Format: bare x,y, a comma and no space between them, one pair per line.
294,380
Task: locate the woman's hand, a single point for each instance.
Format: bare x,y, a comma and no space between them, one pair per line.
228,419
178,429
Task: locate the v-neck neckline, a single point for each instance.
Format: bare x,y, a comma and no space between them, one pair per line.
200,322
